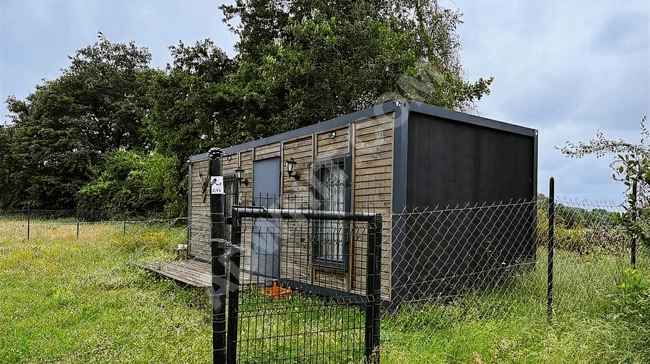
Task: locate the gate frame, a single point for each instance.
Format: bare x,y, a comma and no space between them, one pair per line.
373,270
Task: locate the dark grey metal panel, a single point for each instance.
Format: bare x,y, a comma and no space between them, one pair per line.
400,172
314,128
535,184
535,163
469,119
451,163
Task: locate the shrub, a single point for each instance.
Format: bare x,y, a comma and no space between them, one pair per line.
632,300
136,182
607,238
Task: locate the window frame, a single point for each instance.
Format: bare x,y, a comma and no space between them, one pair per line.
316,257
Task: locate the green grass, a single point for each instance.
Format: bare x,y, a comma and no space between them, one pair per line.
69,300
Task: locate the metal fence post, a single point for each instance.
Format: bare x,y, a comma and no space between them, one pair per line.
217,220
77,218
29,218
551,247
373,289
634,213
233,291
124,223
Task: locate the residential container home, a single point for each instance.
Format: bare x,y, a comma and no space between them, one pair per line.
395,157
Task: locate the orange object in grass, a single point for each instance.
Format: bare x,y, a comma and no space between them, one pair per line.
276,291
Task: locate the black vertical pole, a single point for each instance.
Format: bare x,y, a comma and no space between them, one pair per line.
551,243
29,217
233,297
377,286
633,248
373,289
217,220
124,222
77,224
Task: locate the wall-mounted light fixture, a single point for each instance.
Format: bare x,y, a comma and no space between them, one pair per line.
332,135
291,169
239,175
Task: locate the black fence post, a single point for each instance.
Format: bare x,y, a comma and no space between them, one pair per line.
634,213
233,291
551,247
217,220
29,217
77,218
124,222
373,289
377,289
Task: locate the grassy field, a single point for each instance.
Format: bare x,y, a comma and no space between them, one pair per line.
69,300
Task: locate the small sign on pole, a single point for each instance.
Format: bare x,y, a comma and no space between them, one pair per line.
216,185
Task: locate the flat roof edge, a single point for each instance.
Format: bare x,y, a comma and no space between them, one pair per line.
382,109
360,115
443,113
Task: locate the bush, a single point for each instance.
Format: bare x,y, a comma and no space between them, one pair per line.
606,238
632,300
135,182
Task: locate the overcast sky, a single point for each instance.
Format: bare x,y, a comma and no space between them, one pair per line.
566,68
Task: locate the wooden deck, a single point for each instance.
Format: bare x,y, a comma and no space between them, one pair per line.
193,273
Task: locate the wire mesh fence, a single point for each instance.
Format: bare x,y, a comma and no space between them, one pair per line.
592,251
462,269
75,290
87,288
308,284
458,267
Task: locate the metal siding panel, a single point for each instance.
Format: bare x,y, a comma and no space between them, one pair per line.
399,199
453,163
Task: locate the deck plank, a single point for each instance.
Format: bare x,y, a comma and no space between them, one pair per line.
190,272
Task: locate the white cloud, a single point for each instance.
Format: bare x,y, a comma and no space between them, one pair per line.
566,68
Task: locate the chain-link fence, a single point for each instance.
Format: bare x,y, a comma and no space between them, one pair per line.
468,278
459,268
592,251
465,283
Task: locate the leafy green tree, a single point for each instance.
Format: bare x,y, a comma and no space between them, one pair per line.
299,62
305,61
631,166
64,128
8,197
50,147
191,101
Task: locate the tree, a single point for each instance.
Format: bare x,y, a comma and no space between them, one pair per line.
191,102
305,61
629,158
7,168
631,166
111,82
63,129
